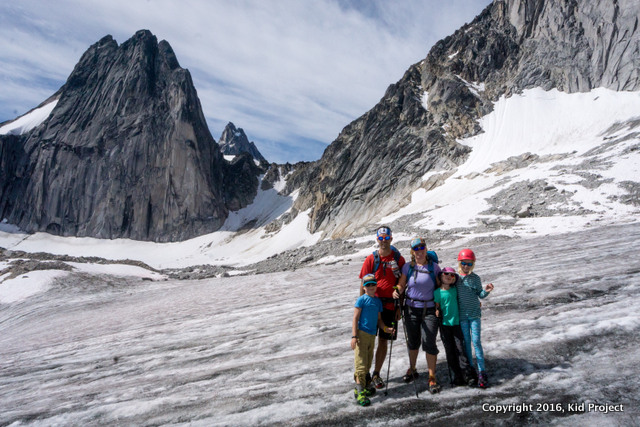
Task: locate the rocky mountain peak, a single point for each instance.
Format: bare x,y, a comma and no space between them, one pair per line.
126,152
234,141
379,159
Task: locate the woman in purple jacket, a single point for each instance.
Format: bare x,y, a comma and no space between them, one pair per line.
417,283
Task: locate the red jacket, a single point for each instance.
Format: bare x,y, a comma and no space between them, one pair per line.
384,276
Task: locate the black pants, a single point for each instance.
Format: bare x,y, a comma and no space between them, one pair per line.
454,348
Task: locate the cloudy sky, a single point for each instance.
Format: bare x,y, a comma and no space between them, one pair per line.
291,73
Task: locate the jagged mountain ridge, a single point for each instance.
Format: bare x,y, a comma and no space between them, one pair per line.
234,141
126,152
379,159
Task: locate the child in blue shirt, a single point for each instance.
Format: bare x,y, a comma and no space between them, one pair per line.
366,321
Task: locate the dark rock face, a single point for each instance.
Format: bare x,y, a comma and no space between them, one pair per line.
234,141
126,152
575,45
378,160
240,183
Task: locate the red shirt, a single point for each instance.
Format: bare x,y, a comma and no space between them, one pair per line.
384,276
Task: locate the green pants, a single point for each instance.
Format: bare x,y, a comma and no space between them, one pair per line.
364,356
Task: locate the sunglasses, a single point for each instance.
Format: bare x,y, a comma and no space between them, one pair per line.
448,274
467,264
419,248
385,237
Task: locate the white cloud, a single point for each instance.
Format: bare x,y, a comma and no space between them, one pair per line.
286,71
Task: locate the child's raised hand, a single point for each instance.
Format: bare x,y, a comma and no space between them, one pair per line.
489,287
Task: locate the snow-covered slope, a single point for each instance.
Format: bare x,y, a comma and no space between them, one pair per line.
574,135
242,239
32,119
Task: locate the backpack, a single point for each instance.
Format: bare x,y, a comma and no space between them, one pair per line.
376,258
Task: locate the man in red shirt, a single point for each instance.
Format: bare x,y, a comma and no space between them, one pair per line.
389,264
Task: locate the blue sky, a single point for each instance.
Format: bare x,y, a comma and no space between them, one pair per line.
291,73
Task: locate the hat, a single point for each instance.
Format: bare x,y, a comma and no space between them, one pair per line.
418,241
383,231
466,254
369,280
449,270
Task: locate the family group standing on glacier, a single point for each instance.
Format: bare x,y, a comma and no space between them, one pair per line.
426,298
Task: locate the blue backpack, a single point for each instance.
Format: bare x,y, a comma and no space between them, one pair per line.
376,258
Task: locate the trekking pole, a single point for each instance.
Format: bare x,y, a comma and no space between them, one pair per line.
406,339
386,388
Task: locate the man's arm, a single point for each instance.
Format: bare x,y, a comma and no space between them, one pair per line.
384,327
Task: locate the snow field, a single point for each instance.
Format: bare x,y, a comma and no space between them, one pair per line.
274,348
29,121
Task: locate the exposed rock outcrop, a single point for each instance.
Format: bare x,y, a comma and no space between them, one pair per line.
284,172
126,152
574,45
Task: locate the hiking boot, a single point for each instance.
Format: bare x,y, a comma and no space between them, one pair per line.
376,380
362,399
411,375
433,385
368,391
483,381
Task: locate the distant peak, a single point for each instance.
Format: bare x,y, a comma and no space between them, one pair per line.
234,141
